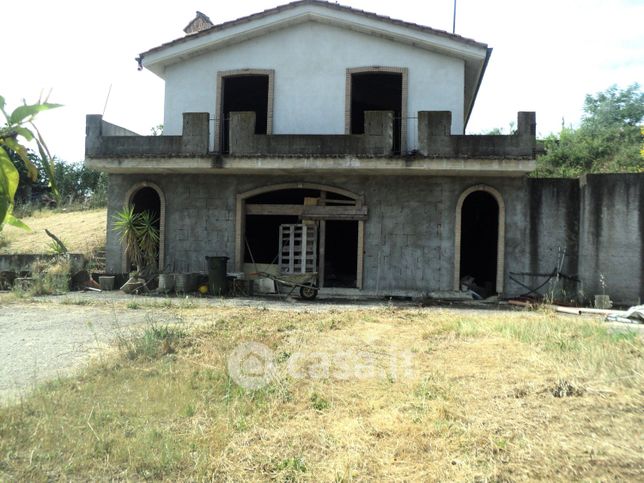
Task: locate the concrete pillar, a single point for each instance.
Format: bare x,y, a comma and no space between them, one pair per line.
527,131
434,133
526,123
93,134
241,133
195,133
379,131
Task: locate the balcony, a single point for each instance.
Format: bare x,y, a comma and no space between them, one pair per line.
435,151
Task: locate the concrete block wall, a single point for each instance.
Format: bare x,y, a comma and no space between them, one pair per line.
103,139
410,231
553,234
435,138
611,228
376,141
409,235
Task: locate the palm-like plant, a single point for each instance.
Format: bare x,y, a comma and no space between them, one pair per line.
139,236
148,236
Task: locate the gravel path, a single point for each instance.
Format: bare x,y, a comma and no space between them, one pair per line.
42,341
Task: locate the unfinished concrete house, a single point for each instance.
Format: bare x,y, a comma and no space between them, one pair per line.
349,126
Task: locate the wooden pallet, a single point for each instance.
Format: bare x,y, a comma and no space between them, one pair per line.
298,249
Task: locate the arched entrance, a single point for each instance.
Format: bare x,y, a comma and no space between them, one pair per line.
337,214
480,240
148,196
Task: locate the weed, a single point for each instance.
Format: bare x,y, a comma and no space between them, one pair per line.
154,342
318,402
295,463
190,410
283,357
75,301
56,248
431,388
47,278
564,388
133,305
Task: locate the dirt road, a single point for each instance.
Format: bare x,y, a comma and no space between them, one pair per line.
44,340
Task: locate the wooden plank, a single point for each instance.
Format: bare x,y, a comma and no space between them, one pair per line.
240,234
310,212
360,269
322,254
291,254
265,209
335,212
303,248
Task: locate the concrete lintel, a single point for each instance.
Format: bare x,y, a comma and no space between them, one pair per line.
348,165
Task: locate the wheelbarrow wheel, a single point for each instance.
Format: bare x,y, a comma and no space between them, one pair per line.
308,292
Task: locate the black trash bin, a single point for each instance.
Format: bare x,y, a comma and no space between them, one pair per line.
217,275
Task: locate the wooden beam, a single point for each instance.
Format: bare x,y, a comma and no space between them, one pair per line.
360,268
335,212
310,212
265,209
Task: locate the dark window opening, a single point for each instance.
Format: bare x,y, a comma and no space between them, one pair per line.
147,199
479,239
377,91
244,93
341,254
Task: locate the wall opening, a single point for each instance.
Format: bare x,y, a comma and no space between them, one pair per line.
341,256
148,199
479,242
244,93
377,91
336,214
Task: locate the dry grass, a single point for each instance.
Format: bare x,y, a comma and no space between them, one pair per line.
80,231
490,397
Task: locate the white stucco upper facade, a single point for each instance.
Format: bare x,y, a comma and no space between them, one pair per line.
310,46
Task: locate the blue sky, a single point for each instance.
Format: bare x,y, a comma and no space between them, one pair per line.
547,55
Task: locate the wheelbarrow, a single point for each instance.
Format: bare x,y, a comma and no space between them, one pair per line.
306,282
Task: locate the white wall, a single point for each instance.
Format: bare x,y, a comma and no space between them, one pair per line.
310,62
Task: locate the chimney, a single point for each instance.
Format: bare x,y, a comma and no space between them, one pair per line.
199,23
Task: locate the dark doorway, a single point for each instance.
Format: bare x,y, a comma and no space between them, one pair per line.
147,199
244,93
479,242
341,254
377,91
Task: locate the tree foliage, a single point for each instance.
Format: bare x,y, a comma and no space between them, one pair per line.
609,138
79,184
17,131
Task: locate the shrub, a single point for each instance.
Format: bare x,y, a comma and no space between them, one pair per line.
50,277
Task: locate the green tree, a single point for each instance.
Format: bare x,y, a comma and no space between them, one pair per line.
17,131
609,138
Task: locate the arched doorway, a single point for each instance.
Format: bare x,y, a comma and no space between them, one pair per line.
480,233
149,197
338,215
